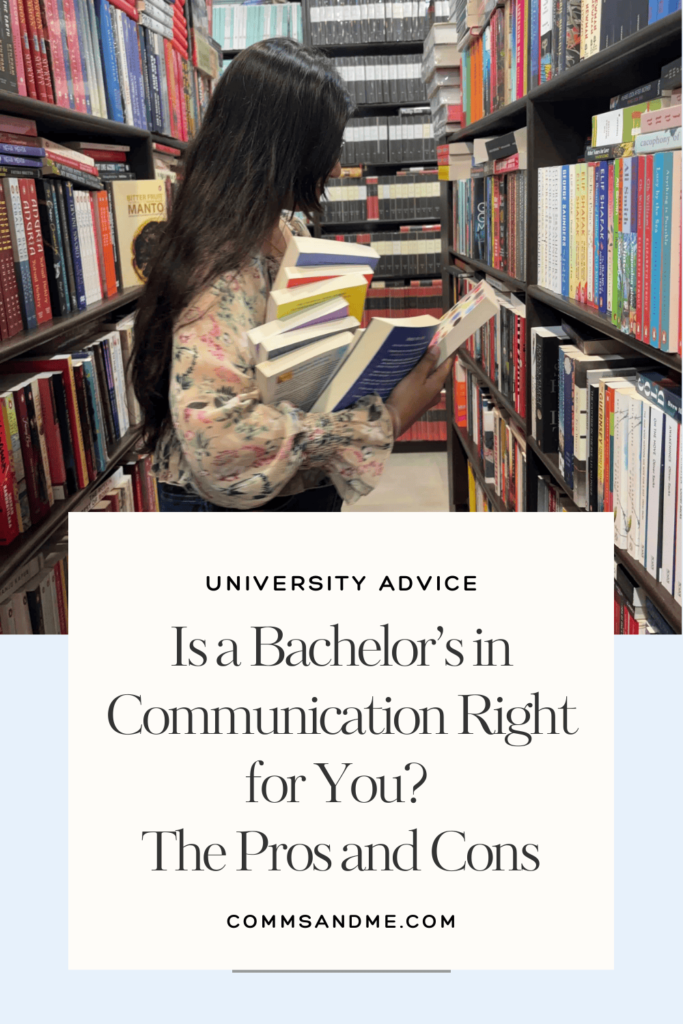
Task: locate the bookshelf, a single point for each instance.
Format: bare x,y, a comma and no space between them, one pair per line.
557,115
57,124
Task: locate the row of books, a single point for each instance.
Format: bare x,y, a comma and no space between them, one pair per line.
336,22
405,252
34,600
489,220
610,237
614,420
379,140
384,79
386,197
499,346
500,444
430,427
396,301
61,419
313,352
107,60
495,64
237,26
634,612
478,499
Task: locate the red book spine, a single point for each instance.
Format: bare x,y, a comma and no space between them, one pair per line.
47,81
105,156
17,41
137,489
170,80
70,161
647,249
74,56
53,439
60,588
26,51
34,43
28,186
4,325
108,249
127,8
38,504
53,34
9,520
161,148
36,258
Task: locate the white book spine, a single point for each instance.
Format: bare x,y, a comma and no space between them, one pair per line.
679,524
621,407
634,476
666,572
644,453
119,379
654,491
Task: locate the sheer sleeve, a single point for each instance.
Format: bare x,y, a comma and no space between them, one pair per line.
239,452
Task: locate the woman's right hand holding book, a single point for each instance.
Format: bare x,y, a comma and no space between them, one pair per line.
418,391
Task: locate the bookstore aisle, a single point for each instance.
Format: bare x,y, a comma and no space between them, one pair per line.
95,112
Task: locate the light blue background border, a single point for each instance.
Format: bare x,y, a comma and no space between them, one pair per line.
37,986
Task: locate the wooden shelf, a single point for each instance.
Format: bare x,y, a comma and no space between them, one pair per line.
511,282
55,329
367,49
504,120
26,544
473,458
376,225
551,462
498,396
415,447
52,118
660,597
603,324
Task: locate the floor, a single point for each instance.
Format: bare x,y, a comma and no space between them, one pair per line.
410,483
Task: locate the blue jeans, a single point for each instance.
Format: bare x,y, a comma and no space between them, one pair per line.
321,499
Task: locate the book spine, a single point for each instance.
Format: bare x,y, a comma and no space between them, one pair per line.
20,252
29,203
674,331
656,250
18,47
637,325
37,491
75,244
75,56
63,234
654,491
668,529
69,95
9,519
53,443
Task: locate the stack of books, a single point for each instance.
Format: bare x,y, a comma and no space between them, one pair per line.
312,353
62,418
609,229
441,75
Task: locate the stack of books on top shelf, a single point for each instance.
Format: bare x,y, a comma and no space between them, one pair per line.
311,352
610,228
490,201
634,612
61,418
108,60
441,75
500,444
613,418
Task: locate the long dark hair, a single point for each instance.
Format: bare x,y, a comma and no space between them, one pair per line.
271,135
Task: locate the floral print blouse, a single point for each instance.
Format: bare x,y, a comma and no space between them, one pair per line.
225,443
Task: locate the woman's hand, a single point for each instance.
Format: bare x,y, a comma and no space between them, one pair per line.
418,391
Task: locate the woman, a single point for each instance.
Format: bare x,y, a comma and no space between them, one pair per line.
271,137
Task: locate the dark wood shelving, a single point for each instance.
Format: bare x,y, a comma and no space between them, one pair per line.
511,116
603,324
26,544
52,118
368,49
407,277
663,601
511,282
56,328
477,468
498,396
551,462
376,224
415,447
164,140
